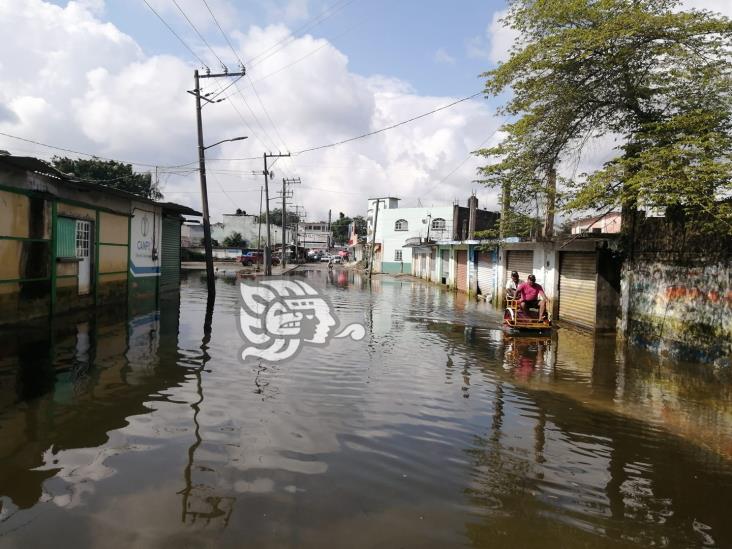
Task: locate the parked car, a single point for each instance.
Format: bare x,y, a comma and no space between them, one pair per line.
324,257
337,259
252,258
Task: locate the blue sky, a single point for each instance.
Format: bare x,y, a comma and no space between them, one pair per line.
393,38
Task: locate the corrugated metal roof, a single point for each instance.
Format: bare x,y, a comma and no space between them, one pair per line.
41,167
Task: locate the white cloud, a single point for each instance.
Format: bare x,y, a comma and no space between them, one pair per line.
74,80
719,6
496,43
442,57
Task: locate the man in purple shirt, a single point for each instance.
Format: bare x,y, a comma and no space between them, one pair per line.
531,295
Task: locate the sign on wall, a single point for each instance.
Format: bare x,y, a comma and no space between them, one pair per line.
145,237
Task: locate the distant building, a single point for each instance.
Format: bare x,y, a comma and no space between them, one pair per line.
400,231
253,232
314,235
608,223
191,235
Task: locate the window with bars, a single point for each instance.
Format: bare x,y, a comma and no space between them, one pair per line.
438,224
397,255
82,238
401,225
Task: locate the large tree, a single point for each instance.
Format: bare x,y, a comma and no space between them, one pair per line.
109,173
275,217
656,77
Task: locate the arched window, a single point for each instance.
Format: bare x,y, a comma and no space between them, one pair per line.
438,224
401,225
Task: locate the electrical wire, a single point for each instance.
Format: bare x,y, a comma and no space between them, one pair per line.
198,33
381,130
175,34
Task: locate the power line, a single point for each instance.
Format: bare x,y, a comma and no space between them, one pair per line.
327,13
79,152
175,34
198,33
362,136
223,33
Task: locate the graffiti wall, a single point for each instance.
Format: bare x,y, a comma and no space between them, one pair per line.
680,310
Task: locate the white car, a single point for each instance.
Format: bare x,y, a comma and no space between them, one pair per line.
324,258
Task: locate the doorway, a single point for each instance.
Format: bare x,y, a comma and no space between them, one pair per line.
83,247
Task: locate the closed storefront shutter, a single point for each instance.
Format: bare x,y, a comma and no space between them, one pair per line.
461,273
521,261
433,265
578,288
170,257
485,274
445,266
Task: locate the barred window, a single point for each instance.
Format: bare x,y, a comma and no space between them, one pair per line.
401,225
397,255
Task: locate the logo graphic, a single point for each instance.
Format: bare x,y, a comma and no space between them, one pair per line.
278,316
145,225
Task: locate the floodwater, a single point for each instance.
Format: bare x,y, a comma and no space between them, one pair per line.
435,430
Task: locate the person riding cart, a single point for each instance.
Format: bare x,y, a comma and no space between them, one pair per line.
531,296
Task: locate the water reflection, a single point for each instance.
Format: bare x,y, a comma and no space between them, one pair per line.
436,430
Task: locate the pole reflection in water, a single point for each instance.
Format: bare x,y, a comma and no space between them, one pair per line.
198,501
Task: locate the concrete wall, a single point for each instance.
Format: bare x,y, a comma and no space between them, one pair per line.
418,220
680,310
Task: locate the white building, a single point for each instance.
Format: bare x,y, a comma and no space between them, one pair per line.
254,233
394,226
314,235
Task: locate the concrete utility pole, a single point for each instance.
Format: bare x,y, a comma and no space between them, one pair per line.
286,181
268,247
329,218
259,226
210,281
373,239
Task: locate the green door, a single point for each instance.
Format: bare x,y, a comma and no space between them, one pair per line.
170,257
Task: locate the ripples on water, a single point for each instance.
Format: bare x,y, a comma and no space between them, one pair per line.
435,430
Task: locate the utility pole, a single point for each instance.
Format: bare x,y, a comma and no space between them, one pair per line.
286,181
259,226
268,247
329,218
373,239
210,281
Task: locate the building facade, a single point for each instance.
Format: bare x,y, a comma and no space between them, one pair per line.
314,235
253,232
608,223
66,244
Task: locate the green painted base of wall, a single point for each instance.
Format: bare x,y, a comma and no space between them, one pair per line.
143,294
112,292
393,267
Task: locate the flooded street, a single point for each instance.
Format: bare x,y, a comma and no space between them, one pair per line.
435,430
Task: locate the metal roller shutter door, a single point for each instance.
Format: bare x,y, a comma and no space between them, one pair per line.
485,274
170,256
433,265
578,288
461,274
521,261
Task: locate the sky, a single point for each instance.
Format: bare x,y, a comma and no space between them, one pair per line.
108,78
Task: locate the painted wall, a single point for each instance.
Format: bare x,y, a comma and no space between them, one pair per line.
249,229
678,310
417,221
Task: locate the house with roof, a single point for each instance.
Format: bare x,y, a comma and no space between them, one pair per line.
68,243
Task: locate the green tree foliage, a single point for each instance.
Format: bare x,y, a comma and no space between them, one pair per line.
235,240
275,217
657,77
360,222
109,173
340,228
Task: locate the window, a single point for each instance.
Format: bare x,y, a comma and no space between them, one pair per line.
397,255
438,224
597,229
401,225
65,237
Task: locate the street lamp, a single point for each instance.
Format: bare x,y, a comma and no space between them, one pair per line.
227,140
204,199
